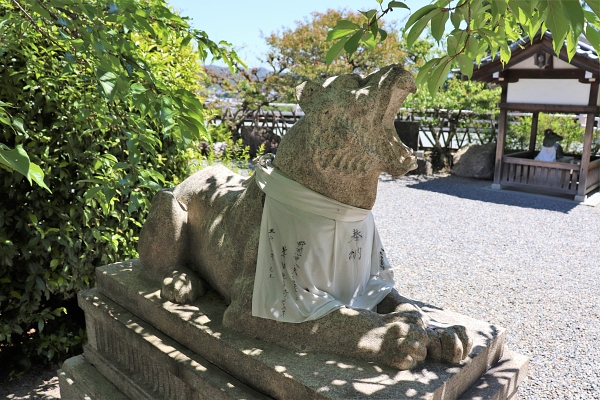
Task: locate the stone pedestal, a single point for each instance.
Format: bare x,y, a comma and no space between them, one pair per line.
142,347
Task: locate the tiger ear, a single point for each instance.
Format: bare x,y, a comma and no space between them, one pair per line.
306,94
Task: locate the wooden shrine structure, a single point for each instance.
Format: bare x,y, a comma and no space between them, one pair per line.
537,80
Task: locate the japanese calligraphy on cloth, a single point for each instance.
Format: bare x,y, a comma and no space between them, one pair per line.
315,254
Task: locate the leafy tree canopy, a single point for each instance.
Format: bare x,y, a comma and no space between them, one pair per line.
107,114
471,29
299,53
98,39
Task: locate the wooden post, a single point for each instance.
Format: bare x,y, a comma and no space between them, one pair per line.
534,129
587,144
585,158
500,148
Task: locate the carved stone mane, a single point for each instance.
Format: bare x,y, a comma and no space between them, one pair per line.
347,137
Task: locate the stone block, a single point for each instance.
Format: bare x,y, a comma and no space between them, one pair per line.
146,364
79,379
502,380
271,369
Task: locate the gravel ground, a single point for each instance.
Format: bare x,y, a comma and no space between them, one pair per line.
36,383
528,263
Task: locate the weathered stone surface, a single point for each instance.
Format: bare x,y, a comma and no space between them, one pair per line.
143,362
502,380
339,149
162,242
475,161
80,380
182,286
266,367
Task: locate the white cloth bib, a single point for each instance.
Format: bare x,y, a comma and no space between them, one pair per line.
546,154
315,254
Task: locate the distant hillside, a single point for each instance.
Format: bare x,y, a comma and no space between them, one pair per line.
262,72
215,92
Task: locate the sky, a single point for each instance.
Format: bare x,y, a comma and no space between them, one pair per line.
241,22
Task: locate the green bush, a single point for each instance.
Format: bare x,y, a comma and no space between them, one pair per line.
519,131
103,162
566,126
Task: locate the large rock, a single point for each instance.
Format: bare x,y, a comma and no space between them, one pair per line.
475,161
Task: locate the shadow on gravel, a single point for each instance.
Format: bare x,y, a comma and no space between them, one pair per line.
35,383
479,190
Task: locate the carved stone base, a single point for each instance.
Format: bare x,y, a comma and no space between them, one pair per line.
152,349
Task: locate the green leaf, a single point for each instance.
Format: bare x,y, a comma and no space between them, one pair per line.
107,83
572,41
396,4
483,45
417,28
421,12
134,153
20,127
595,6
192,126
590,17
110,157
557,23
439,75
438,25
593,37
525,5
137,89
90,193
425,69
368,41
465,64
4,118
498,8
109,193
90,181
574,14
374,28
369,14
533,26
15,294
40,324
352,44
143,21
345,24
336,34
36,173
383,34
472,47
456,42
456,18
16,159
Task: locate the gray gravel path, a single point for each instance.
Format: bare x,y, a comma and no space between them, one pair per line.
529,263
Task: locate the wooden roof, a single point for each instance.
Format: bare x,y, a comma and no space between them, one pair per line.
585,58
